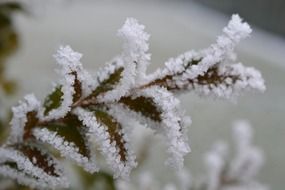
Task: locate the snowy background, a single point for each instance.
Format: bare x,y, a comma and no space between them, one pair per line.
175,27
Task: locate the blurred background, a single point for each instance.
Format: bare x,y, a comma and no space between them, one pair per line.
31,31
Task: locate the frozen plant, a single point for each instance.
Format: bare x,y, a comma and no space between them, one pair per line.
222,171
239,172
83,110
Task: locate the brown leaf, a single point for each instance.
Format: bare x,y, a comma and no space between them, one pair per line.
77,88
39,159
32,120
144,105
114,129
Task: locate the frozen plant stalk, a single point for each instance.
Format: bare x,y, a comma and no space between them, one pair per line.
82,108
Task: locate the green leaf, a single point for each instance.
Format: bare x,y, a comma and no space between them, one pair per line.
11,164
114,129
11,6
109,83
99,180
70,131
144,105
53,100
9,87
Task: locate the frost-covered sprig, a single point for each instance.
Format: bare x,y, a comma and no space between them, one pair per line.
171,121
240,172
22,117
222,172
134,58
32,167
211,71
82,110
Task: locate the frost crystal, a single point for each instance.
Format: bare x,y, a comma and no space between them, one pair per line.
71,70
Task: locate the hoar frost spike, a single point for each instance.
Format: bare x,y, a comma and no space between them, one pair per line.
84,111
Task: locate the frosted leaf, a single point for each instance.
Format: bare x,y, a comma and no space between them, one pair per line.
19,120
135,46
163,118
27,173
224,81
144,105
53,100
160,111
68,149
110,68
171,124
134,59
108,77
69,61
75,81
129,116
108,145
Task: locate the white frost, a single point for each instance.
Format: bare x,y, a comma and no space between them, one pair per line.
108,149
134,58
67,149
28,173
19,119
172,124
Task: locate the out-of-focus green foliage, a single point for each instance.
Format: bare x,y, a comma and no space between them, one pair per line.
9,41
99,181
